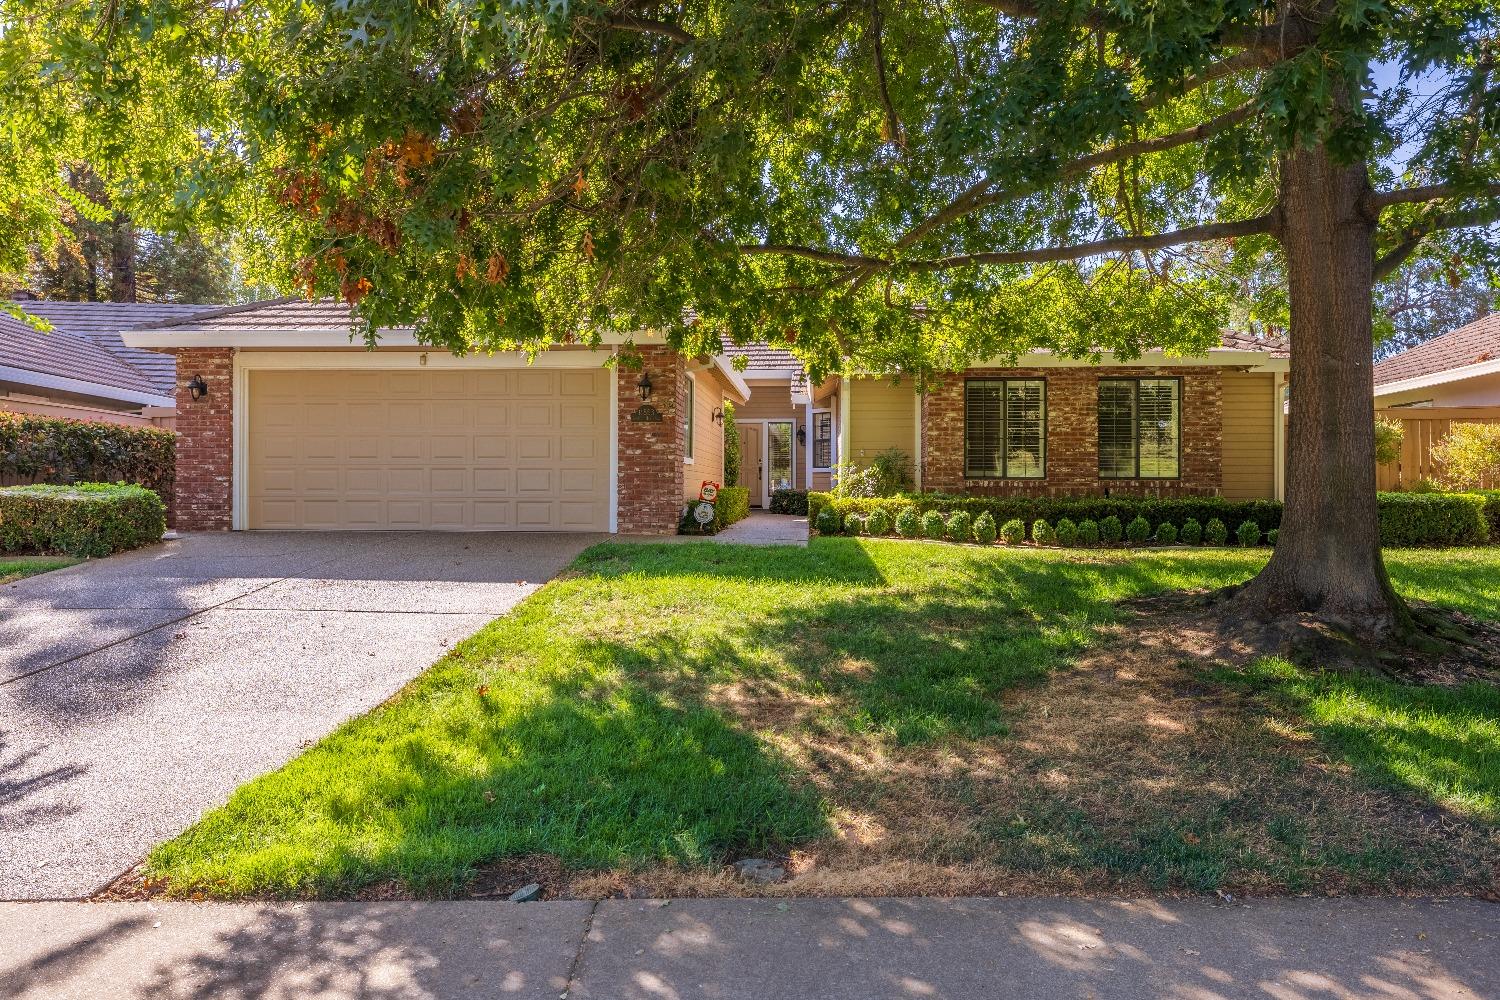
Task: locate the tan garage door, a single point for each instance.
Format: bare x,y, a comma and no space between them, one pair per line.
480,450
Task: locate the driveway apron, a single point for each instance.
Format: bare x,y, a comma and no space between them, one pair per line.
138,691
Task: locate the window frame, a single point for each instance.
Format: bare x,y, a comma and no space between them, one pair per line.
1136,381
831,438
692,406
1005,382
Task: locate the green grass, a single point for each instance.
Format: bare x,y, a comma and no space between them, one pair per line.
676,706
1442,743
13,568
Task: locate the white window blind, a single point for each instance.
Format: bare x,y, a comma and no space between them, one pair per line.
1005,428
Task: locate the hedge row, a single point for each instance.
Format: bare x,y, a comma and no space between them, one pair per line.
1405,518
733,505
57,450
84,519
789,501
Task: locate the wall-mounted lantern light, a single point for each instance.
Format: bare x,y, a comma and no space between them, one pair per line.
197,388
802,435
644,385
717,415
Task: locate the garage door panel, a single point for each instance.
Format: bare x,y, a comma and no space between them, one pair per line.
472,450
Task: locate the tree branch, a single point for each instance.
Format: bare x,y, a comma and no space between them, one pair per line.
813,253
892,123
646,26
1430,192
1120,244
1412,238
977,195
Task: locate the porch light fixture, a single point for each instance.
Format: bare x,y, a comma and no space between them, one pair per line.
717,416
802,435
644,385
197,388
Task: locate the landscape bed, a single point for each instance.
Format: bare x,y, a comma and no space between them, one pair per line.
878,717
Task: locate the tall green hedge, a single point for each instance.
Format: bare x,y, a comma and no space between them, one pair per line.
733,505
84,519
56,450
1405,518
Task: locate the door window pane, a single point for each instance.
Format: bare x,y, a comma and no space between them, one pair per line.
779,454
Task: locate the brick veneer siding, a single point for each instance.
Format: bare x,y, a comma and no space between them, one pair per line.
205,440
650,486
1073,434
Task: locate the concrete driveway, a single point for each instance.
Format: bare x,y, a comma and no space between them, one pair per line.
140,690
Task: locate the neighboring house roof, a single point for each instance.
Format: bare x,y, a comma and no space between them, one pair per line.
101,323
1273,344
63,362
1461,353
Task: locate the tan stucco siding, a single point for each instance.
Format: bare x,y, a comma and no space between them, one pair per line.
881,416
708,437
1249,442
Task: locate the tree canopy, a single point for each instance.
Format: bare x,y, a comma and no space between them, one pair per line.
900,184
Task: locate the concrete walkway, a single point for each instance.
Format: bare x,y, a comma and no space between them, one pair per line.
858,949
140,690
761,528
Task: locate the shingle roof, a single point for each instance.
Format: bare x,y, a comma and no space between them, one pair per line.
100,323
766,357
1468,345
1273,344
65,356
291,313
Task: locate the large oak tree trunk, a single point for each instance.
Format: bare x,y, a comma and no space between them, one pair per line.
1327,558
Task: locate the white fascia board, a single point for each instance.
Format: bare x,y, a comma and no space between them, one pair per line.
1438,378
734,378
62,383
189,336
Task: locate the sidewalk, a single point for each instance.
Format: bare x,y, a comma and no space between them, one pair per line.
757,949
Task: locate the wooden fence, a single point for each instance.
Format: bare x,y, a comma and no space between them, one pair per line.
1424,427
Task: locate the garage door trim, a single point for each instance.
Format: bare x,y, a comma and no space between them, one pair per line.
407,360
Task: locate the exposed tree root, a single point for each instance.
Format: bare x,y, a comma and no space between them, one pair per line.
1418,643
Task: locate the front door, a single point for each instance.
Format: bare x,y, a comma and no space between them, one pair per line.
752,463
779,456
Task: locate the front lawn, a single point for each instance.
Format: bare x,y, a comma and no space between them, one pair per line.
882,716
13,568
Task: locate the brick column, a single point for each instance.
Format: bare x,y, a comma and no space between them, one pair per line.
205,440
650,484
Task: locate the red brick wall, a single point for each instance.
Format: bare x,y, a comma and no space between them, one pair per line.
205,440
650,487
1073,434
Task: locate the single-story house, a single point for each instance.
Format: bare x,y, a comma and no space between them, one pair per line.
1458,368
286,423
82,369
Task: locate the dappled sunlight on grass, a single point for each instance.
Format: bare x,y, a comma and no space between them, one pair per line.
658,711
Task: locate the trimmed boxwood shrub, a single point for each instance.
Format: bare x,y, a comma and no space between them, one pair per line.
84,519
1214,532
1138,531
1111,530
788,501
878,523
854,524
1271,537
908,522
985,531
1434,519
933,525
1013,532
960,526
1042,533
58,450
733,505
1248,534
1166,533
828,522
1088,532
1066,532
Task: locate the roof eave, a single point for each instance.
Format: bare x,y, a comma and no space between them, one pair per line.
97,390
1443,377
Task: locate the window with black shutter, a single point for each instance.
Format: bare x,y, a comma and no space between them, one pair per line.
1005,428
1140,428
822,440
